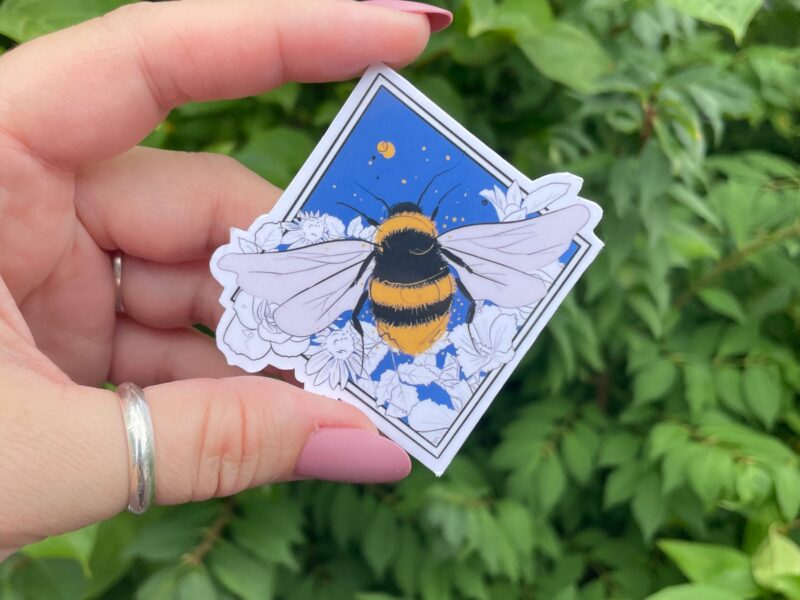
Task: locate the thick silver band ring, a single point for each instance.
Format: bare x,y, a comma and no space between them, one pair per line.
141,447
116,266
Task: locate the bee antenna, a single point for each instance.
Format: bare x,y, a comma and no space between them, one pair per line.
427,187
368,219
378,198
436,210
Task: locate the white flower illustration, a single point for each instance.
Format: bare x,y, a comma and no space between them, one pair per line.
253,332
509,205
450,380
356,229
268,236
485,344
431,420
375,349
335,357
513,206
311,228
421,371
397,397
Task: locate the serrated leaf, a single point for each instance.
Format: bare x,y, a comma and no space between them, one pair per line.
723,302
711,564
776,565
665,436
694,592
699,386
654,380
735,15
567,54
240,572
578,456
762,393
377,547
76,545
550,482
618,448
621,484
787,490
648,505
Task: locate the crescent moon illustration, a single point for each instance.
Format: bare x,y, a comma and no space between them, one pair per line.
386,149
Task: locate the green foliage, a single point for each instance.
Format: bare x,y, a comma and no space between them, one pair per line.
648,445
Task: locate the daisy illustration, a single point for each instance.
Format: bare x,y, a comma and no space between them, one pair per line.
311,228
335,357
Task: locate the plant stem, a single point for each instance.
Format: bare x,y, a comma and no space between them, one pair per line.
736,258
211,535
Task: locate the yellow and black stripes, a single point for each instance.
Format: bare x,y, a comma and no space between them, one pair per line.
411,288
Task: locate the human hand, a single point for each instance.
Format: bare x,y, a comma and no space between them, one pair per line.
72,104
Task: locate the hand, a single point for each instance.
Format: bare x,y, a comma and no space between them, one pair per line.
72,190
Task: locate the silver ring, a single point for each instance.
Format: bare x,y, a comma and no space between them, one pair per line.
116,265
141,447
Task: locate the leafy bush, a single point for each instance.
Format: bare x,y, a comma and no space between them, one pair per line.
648,445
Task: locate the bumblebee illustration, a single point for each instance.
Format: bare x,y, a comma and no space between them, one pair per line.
409,272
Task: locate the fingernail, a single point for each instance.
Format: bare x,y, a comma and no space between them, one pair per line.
439,18
352,456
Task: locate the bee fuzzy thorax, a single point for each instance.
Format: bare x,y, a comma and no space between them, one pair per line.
405,221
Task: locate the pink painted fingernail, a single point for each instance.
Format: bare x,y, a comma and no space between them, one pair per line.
352,456
438,17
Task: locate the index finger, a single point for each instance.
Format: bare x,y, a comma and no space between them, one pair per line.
89,92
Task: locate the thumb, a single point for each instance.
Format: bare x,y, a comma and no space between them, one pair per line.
65,454
216,437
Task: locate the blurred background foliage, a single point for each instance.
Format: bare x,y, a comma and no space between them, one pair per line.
648,445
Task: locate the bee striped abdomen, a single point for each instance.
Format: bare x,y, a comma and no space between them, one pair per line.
412,317
411,289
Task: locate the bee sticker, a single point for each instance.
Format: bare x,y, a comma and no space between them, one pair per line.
408,287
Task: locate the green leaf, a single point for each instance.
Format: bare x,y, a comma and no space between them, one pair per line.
173,532
722,302
711,564
22,20
240,572
728,385
550,481
276,154
648,506
776,565
196,584
753,484
567,54
665,436
694,592
763,393
377,552
787,490
621,484
655,380
711,472
578,450
617,448
699,386
734,15
76,545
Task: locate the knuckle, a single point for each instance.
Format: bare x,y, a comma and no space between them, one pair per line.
235,446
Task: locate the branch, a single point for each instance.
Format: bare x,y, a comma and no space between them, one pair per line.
211,535
736,258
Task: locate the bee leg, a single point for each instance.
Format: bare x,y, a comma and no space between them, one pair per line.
357,323
470,301
457,260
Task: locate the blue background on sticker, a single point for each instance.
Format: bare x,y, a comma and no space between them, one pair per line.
421,152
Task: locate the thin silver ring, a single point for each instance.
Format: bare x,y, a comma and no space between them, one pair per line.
141,447
116,265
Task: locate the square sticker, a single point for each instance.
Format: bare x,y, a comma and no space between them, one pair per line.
405,270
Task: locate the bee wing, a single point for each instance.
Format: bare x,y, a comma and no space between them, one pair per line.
312,286
500,259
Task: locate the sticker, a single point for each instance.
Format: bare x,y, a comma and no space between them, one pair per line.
406,269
